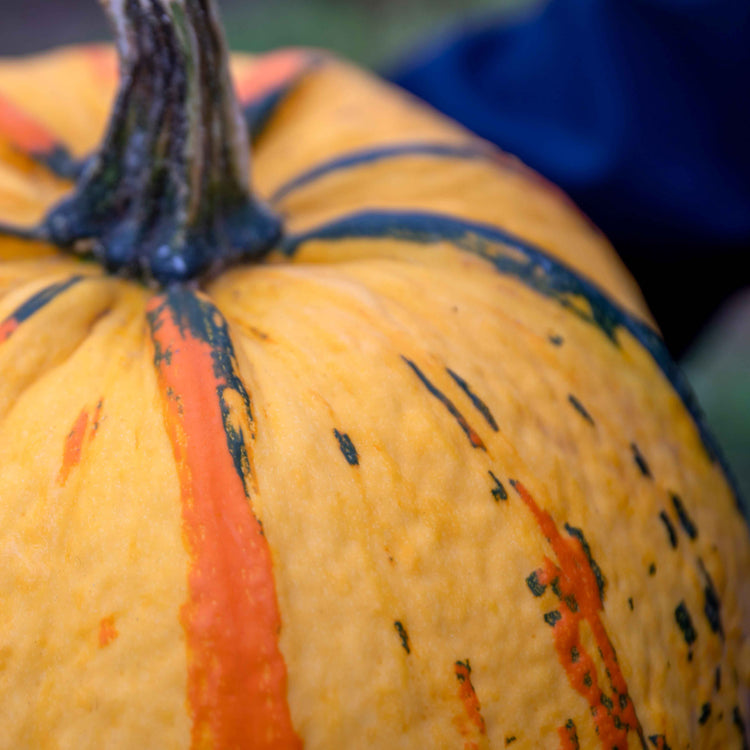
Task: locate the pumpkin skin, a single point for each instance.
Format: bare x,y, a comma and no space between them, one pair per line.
425,477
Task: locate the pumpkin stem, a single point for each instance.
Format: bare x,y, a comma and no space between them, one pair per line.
167,195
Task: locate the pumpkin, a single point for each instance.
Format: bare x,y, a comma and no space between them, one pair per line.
386,453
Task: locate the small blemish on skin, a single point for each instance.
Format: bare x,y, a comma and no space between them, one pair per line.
107,631
685,521
580,408
347,448
403,635
498,491
685,623
671,533
640,461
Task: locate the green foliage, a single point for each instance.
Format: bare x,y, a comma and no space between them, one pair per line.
370,32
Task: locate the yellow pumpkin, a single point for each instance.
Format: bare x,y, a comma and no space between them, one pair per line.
422,477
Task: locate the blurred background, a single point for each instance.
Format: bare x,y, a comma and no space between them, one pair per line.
371,32
386,36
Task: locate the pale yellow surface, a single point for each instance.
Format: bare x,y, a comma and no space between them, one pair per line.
412,533
105,543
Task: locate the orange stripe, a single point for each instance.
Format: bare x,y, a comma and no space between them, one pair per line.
613,711
236,673
472,707
23,131
107,631
271,71
7,327
104,63
568,736
74,441
73,446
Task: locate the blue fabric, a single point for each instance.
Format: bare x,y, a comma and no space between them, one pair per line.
639,109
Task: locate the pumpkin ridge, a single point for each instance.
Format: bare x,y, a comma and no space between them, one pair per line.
34,304
83,431
236,672
259,106
578,581
28,137
24,132
469,431
474,149
536,269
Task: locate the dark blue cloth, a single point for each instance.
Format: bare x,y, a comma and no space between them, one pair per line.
640,110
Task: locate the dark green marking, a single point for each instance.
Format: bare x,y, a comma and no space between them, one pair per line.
473,150
685,623
739,722
510,740
553,617
581,409
479,405
515,257
631,604
347,448
652,569
671,534
685,521
460,676
601,581
535,585
403,635
556,340
555,586
659,741
37,301
705,714
711,602
640,461
474,439
60,162
498,491
572,732
198,318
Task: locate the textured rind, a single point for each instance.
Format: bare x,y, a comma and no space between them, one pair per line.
429,445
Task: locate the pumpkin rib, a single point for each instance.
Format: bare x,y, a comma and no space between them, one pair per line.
537,269
271,78
28,358
327,273
236,673
473,149
30,138
71,78
24,132
580,587
34,304
433,390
